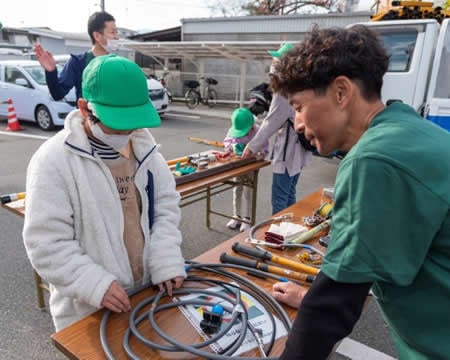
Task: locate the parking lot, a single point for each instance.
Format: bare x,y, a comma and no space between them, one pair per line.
25,333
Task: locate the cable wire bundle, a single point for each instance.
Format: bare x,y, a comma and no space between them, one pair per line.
231,296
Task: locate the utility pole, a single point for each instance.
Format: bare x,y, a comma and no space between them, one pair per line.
102,5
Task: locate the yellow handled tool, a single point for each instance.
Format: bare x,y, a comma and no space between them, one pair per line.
311,233
207,142
184,159
12,197
266,255
250,263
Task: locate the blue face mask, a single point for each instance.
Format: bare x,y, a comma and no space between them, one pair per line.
117,142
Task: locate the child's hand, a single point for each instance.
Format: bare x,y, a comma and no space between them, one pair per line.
174,283
116,299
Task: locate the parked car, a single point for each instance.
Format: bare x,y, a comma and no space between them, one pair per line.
156,91
24,82
158,95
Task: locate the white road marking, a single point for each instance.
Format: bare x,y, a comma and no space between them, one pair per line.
182,115
31,136
357,351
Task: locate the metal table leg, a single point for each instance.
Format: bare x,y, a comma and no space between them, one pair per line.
39,290
208,207
254,196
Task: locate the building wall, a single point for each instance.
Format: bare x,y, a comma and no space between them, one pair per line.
55,46
250,28
275,24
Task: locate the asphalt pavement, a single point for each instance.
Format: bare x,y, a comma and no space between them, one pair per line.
25,331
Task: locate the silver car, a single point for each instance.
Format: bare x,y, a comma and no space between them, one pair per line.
24,82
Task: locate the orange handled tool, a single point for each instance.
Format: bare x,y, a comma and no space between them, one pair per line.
184,159
266,255
250,263
11,197
207,142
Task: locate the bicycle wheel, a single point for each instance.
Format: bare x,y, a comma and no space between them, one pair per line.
192,98
211,100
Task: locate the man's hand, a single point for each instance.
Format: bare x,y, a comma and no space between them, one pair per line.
174,283
45,58
116,299
246,153
289,293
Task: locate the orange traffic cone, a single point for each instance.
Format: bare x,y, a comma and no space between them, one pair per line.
13,122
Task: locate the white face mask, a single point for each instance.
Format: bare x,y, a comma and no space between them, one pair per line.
272,69
111,45
117,142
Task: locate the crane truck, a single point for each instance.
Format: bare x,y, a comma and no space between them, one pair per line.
417,39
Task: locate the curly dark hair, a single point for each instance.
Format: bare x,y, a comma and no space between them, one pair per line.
325,54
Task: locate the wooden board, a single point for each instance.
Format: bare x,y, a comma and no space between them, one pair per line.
214,167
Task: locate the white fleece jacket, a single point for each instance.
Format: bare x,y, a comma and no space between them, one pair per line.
73,230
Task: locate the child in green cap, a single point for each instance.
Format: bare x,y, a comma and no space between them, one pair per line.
102,208
242,130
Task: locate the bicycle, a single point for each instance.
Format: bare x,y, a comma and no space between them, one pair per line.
193,97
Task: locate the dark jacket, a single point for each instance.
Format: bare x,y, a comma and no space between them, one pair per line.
70,76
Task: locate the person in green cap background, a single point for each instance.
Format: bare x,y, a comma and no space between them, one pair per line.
102,210
288,155
243,129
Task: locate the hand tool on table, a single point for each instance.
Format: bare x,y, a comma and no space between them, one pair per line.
194,159
282,246
266,255
311,233
207,142
180,160
250,263
12,197
324,212
185,170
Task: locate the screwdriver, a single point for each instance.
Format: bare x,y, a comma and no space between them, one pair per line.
12,197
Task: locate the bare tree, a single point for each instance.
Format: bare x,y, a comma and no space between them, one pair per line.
274,7
227,7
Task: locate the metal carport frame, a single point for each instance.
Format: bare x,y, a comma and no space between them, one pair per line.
242,51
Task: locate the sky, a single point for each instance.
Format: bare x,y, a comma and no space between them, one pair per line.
72,15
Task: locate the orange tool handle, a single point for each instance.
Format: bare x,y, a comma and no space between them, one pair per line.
288,273
266,255
174,161
251,263
294,265
207,142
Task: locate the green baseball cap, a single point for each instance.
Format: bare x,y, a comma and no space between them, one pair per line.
241,122
117,89
281,51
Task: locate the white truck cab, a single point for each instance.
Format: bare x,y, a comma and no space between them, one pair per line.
419,67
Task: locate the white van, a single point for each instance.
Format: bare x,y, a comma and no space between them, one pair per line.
24,82
419,65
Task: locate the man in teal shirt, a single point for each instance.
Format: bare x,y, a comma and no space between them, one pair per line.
391,223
